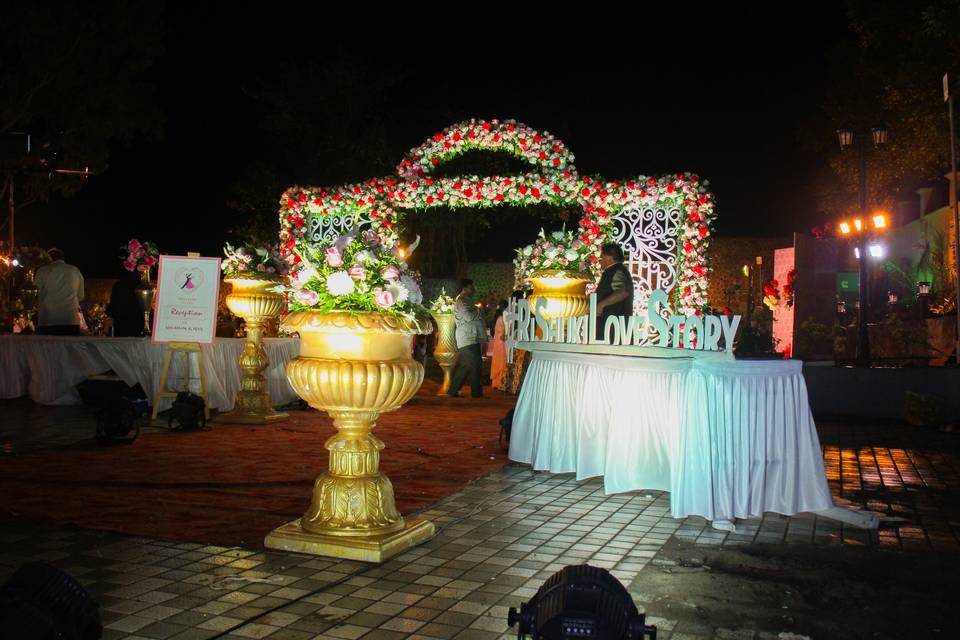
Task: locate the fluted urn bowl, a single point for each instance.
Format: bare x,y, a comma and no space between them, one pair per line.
445,352
252,300
564,293
354,367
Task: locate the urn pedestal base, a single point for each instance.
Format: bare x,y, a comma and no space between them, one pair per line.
292,537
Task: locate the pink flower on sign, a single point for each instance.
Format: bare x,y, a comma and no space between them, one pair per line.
357,272
383,298
334,259
307,297
391,273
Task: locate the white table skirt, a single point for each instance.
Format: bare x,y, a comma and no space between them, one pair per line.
47,368
726,439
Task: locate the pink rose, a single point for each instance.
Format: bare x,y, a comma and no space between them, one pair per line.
357,272
142,267
391,273
261,268
334,259
271,270
150,261
134,246
130,265
383,298
307,297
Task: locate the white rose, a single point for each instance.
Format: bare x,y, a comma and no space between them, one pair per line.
399,292
414,294
340,283
528,250
557,235
570,255
365,256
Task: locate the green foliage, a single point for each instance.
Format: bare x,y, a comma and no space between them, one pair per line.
891,74
813,338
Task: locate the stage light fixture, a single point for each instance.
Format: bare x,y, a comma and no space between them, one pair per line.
880,221
845,228
856,252
581,602
40,601
858,224
876,250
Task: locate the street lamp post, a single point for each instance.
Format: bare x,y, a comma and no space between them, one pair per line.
847,138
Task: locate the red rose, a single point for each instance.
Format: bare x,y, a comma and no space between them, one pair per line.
542,156
446,144
438,137
429,199
694,216
556,189
585,193
457,137
511,127
535,192
687,247
670,188
556,162
303,197
499,197
435,161
652,182
523,189
703,232
486,126
536,138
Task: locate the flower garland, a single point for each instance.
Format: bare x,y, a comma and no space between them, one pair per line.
788,289
771,295
383,199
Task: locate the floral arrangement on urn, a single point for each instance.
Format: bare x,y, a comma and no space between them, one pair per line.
356,274
357,308
558,251
443,304
139,256
253,262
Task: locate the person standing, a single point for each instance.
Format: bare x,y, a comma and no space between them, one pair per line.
470,336
60,288
498,359
124,307
615,290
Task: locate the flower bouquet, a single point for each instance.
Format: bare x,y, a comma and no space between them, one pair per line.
257,263
139,256
558,251
443,303
356,274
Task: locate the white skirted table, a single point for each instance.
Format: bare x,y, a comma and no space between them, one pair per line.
47,368
727,439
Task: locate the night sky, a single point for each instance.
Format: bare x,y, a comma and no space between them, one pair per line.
718,94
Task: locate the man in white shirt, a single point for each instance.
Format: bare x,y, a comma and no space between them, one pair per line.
470,335
58,304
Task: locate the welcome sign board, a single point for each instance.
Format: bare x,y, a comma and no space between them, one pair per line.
188,290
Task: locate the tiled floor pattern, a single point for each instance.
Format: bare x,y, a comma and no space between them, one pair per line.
499,540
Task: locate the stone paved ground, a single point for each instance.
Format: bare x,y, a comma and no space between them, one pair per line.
498,540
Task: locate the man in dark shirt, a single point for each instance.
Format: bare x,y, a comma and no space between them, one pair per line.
615,290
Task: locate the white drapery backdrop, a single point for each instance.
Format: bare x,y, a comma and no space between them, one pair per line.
726,439
47,368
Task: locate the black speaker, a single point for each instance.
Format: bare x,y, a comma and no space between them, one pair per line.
118,407
41,602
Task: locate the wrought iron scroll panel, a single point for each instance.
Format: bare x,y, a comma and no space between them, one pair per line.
649,240
326,229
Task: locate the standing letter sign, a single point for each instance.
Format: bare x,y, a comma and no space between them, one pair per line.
187,296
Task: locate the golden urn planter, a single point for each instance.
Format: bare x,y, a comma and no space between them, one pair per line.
564,292
354,367
445,352
145,291
250,299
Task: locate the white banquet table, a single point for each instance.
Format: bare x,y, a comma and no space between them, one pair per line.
727,439
47,368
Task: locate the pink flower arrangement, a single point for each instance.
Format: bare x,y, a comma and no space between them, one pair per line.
391,273
306,296
140,256
553,179
334,259
383,298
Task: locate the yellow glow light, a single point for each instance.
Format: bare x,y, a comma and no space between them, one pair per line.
880,221
402,252
746,271
845,228
858,224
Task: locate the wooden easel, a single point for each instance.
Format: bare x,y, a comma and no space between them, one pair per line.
186,348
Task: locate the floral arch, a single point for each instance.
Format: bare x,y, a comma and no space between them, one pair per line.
305,212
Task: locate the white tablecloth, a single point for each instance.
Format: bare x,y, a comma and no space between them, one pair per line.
47,368
726,439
